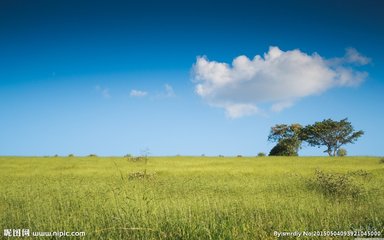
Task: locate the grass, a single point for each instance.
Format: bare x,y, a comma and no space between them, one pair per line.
188,197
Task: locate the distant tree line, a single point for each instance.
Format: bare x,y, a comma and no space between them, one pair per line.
329,133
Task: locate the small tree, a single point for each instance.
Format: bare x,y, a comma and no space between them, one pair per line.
341,152
330,133
287,138
284,148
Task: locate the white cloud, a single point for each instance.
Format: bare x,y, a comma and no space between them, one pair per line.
278,78
137,93
165,93
353,56
277,107
103,91
239,110
169,92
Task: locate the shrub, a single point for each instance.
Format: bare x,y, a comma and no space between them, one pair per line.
283,149
360,173
381,160
141,175
239,156
71,155
261,154
221,156
127,155
341,152
137,159
336,185
92,155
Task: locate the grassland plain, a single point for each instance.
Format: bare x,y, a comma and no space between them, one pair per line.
187,197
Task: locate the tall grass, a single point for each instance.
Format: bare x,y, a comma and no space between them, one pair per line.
187,197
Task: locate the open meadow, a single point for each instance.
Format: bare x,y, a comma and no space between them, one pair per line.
191,197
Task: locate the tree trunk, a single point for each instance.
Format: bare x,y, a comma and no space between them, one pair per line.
329,151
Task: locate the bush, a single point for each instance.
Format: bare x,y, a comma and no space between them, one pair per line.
128,155
282,149
381,160
261,154
341,152
336,185
239,156
221,156
360,173
92,155
137,159
141,175
71,155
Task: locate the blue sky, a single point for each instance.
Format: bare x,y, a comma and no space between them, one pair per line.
118,77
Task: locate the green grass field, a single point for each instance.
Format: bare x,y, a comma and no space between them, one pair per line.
190,197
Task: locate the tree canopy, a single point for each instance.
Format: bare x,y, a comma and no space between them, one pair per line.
287,138
331,134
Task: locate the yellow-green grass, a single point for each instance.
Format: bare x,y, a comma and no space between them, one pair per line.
186,197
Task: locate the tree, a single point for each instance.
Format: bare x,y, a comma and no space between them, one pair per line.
284,147
341,152
330,133
261,154
287,138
